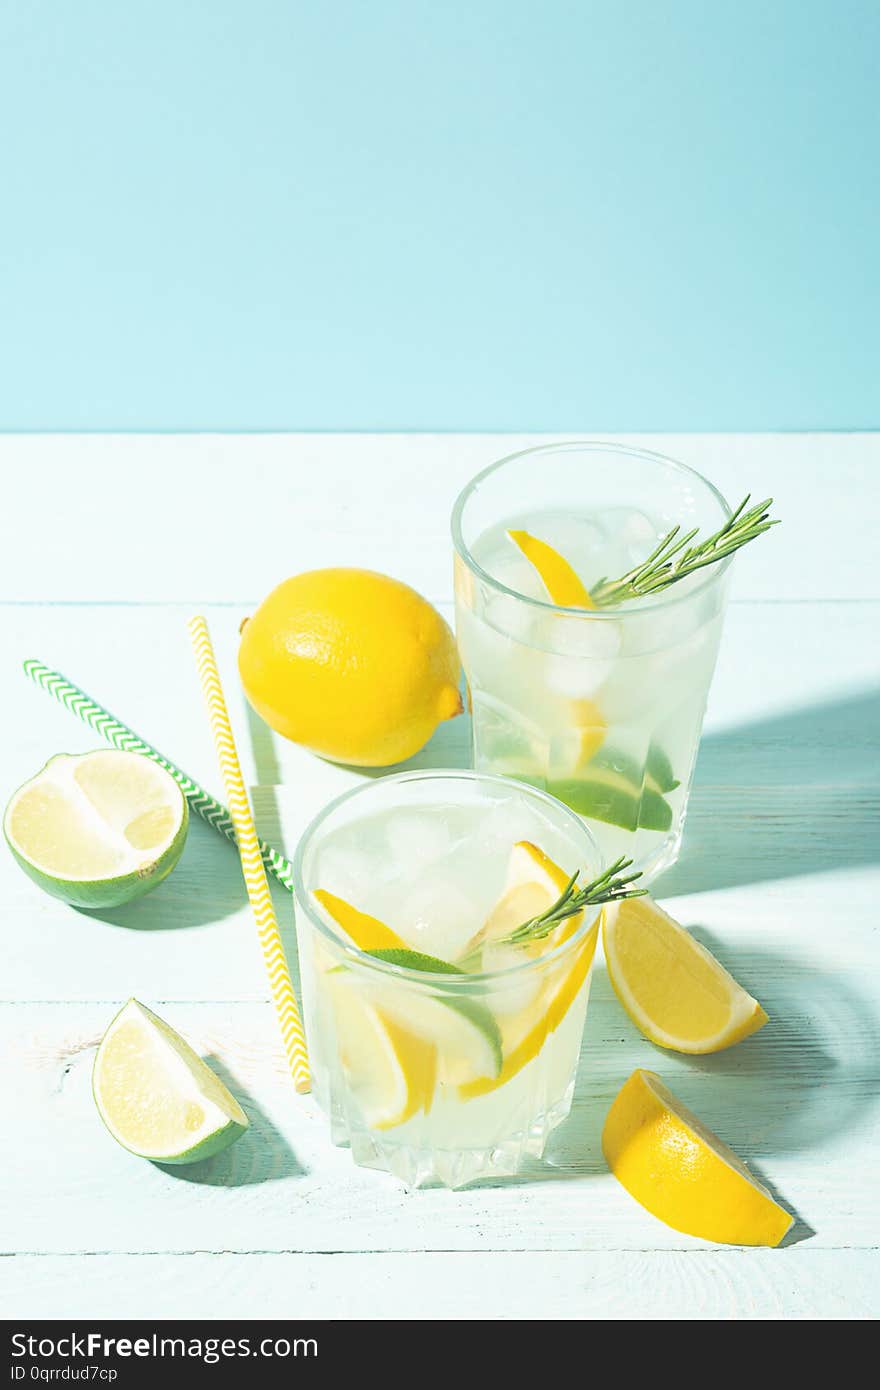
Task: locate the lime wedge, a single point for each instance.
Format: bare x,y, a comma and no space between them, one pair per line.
614,789
156,1096
534,882
465,1031
98,829
659,770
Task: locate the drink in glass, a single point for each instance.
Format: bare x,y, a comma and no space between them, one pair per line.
441,1051
602,707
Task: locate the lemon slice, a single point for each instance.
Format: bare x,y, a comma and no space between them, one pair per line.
682,1173
673,989
590,725
564,586
391,1072
460,1027
524,1036
98,829
534,882
366,932
156,1096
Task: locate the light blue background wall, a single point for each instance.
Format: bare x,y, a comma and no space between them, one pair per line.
451,214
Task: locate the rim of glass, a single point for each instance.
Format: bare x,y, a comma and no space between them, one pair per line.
621,611
431,976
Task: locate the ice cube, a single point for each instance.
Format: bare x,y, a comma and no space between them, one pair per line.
582,543
513,993
581,653
509,617
504,823
515,572
347,871
418,838
437,916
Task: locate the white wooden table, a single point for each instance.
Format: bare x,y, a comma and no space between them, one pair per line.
107,545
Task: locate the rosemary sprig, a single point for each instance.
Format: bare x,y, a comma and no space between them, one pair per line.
610,887
662,568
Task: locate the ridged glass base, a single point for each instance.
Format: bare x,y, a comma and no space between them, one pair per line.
418,1167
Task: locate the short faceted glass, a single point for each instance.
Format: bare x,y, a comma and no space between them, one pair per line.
433,1076
602,708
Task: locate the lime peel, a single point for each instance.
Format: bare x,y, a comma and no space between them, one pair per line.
98,829
156,1096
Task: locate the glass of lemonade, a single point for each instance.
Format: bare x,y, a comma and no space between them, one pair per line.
601,707
440,1051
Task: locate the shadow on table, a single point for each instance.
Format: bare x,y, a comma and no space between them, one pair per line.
205,887
261,1155
795,794
269,777
207,884
811,1074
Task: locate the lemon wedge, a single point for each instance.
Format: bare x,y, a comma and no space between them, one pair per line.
534,882
367,933
391,1072
682,1173
563,584
673,989
390,1069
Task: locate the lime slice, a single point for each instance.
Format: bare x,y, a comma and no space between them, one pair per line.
460,1031
98,829
658,768
156,1096
464,1030
614,789
524,1037
534,882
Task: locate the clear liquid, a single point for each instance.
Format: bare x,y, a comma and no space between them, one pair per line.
450,1107
604,713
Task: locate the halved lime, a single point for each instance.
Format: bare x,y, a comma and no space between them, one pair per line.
155,1094
98,829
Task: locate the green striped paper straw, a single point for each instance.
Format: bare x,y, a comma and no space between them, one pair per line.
121,736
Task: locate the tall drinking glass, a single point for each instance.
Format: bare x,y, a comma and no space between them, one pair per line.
603,708
435,1059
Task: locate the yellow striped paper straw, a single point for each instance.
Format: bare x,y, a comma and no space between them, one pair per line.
251,863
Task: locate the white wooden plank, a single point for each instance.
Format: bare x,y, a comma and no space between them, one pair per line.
222,518
804,678
779,872
787,786
795,1285
799,1101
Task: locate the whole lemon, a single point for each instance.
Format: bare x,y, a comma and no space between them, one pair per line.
352,664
